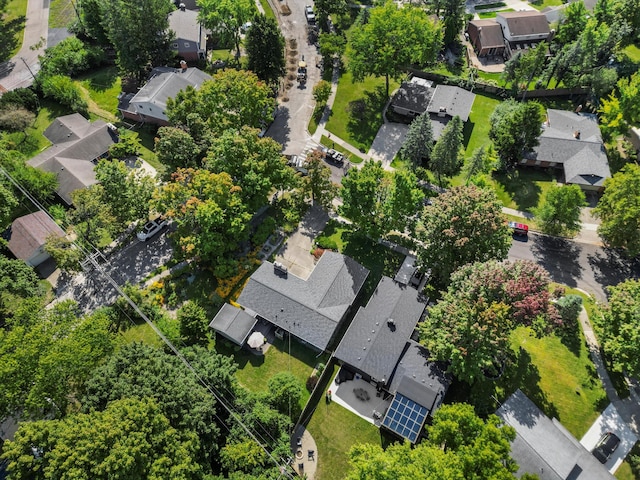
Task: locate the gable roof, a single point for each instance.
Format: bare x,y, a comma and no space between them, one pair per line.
309,309
76,144
544,447
413,96
456,101
584,159
376,337
29,232
233,323
186,26
526,22
165,83
489,33
406,270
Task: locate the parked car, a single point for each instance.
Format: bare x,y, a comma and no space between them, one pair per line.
308,12
334,156
519,228
151,228
606,446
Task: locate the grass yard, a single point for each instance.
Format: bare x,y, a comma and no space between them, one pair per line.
522,189
15,15
254,371
142,333
356,115
335,430
101,89
352,157
476,130
493,14
61,14
542,4
268,12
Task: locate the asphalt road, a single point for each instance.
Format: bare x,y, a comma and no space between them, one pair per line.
578,265
130,264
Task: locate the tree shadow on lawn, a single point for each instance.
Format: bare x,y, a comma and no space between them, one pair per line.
520,186
365,117
487,394
101,80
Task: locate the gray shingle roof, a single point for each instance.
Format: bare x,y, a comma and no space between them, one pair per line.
418,378
372,345
456,100
412,96
29,232
233,323
489,33
72,158
310,309
527,22
165,83
185,25
584,159
544,447
406,270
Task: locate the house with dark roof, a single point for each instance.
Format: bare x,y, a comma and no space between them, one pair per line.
572,141
447,102
378,348
310,310
544,447
149,105
190,41
522,30
233,323
28,234
413,97
486,37
77,146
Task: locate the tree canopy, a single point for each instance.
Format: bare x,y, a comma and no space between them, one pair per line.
392,39
515,128
560,211
621,109
418,142
225,17
265,48
130,439
447,155
619,210
620,327
470,326
318,184
231,100
463,225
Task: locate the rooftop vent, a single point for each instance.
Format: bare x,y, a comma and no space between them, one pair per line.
391,323
183,65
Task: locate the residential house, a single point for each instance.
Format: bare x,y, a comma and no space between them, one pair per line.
190,37
443,102
77,146
27,236
544,447
572,141
378,348
149,105
522,30
310,310
486,37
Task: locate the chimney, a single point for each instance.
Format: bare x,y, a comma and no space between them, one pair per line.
183,65
182,7
442,111
576,134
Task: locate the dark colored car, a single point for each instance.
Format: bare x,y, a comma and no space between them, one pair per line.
334,157
606,446
519,228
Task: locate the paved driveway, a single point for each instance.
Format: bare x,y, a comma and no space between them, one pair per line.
610,421
387,142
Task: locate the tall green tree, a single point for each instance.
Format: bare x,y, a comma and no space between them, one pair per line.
65,253
256,164
447,155
391,40
18,282
482,161
418,142
560,210
453,12
139,33
175,149
572,23
619,210
403,201
194,324
129,439
91,20
364,193
620,327
265,48
231,100
463,225
285,394
41,184
318,183
91,215
621,109
208,211
8,202
225,17
62,89
515,128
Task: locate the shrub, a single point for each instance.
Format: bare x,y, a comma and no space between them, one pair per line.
70,57
20,97
65,92
266,228
312,382
327,243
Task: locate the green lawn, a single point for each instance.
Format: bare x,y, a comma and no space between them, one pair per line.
254,371
476,129
142,333
542,4
335,430
103,87
493,14
268,12
16,11
356,115
522,189
353,158
61,14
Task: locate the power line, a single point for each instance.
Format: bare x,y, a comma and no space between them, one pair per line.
158,332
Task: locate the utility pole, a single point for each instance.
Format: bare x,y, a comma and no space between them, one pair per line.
28,67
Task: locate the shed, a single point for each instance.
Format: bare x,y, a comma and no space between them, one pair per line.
233,323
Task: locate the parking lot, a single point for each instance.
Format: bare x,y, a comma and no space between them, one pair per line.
610,421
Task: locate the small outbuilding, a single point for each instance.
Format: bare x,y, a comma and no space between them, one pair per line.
27,236
233,324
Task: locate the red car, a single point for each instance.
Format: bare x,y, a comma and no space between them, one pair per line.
519,228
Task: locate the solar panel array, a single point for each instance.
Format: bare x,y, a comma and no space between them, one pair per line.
405,417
